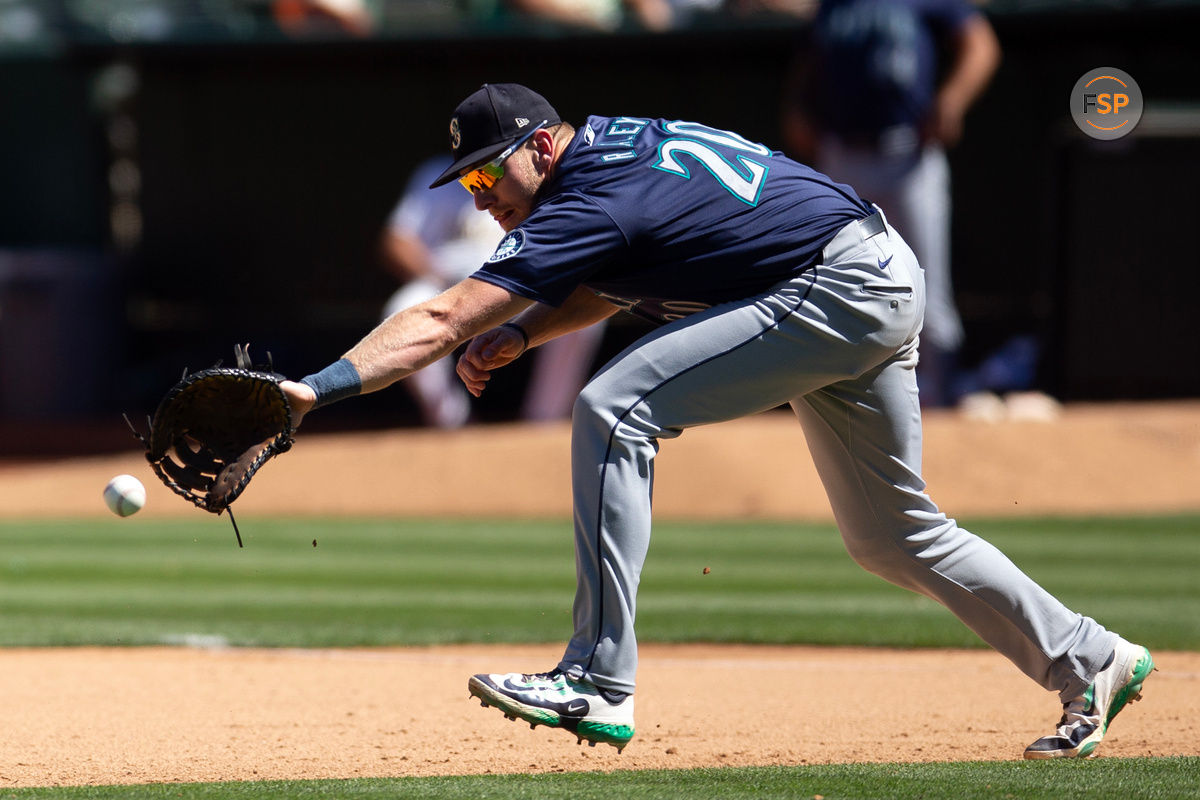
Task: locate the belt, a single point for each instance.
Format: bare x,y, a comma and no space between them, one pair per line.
872,225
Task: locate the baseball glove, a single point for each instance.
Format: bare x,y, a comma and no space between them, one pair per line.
214,429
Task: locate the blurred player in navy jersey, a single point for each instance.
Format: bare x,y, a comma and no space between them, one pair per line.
880,91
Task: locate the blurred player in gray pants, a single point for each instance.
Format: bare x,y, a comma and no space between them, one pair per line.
879,93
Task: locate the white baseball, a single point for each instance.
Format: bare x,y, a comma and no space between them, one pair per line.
124,495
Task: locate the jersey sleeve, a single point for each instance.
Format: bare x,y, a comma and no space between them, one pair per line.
564,242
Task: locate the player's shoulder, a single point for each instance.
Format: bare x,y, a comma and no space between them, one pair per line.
604,142
592,164
611,140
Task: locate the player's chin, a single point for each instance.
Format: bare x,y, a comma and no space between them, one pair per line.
508,220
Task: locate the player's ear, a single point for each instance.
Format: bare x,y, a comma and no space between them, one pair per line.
545,150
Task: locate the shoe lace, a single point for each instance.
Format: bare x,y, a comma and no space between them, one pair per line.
1078,711
610,695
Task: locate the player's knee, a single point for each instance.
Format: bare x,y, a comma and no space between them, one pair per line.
591,412
585,404
897,569
595,414
873,559
904,557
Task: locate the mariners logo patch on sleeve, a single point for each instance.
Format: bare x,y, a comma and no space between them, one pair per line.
509,246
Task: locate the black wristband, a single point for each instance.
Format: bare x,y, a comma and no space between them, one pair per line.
520,330
337,381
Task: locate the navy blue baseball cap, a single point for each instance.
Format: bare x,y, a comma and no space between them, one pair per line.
490,120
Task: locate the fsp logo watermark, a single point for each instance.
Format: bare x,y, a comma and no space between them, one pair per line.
1106,103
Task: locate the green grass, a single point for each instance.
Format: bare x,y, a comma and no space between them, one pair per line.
375,582
380,582
1100,779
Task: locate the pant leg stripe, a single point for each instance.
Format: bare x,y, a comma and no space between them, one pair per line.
621,417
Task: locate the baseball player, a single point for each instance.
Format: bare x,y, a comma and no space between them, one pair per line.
772,285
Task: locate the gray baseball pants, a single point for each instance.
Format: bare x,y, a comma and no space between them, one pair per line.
913,187
911,183
839,344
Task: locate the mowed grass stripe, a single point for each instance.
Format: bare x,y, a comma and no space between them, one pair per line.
426,581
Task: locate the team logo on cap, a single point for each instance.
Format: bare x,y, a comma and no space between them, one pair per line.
455,134
509,246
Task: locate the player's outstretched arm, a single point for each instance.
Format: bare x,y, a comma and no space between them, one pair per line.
408,341
416,337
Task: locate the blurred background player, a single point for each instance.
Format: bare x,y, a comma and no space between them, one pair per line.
433,239
878,94
303,18
598,15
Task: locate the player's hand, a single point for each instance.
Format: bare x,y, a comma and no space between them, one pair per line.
488,351
301,398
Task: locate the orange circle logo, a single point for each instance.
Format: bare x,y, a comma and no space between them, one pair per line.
1106,103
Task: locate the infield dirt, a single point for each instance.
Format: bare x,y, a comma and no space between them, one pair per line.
111,716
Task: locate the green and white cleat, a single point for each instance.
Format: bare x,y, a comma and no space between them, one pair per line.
1086,718
557,701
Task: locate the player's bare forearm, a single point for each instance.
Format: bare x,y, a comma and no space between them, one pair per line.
418,336
976,58
584,307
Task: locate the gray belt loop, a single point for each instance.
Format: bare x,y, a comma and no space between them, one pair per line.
872,225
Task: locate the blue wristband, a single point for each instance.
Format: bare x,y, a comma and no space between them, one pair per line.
336,382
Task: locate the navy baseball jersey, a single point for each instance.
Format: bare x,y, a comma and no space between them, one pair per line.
664,218
877,61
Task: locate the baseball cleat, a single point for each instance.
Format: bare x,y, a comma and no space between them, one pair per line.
557,701
1086,718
